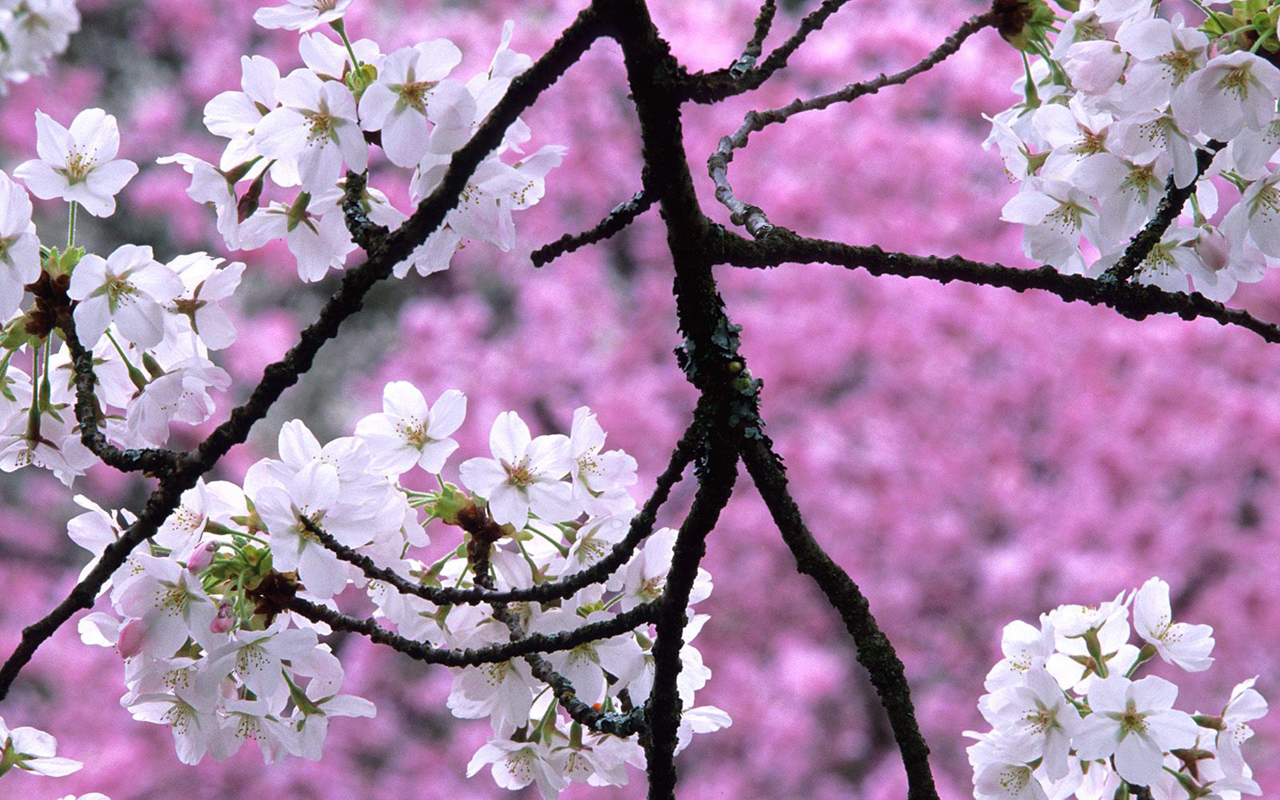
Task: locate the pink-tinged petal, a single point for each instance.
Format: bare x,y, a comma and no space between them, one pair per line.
375,104
549,456
97,134
321,572
42,180
1152,693
509,505
405,137
140,320
297,444
53,142
482,475
112,176
1028,208
1138,760
447,414
215,328
436,60
1172,730
509,437
88,275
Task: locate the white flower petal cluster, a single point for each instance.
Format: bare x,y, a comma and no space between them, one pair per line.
1068,717
1114,111
301,132
206,653
78,164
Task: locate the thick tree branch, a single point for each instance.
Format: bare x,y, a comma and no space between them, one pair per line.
618,218
875,653
1131,300
752,217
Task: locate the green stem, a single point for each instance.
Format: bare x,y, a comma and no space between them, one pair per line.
340,26
564,550
71,225
135,375
33,414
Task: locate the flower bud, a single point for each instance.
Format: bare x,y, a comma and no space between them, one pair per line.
201,558
130,642
223,622
1214,249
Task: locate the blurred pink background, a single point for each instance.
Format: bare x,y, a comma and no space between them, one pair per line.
970,455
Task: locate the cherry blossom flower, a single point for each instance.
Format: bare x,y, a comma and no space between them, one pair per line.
518,764
1135,721
411,88
408,432
1188,646
315,125
33,751
524,474
19,248
1232,92
78,164
128,288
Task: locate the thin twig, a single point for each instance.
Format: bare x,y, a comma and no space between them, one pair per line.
752,217
712,87
641,526
473,657
618,218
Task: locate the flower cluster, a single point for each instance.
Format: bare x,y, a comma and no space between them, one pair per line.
31,33
1069,718
291,136
150,325
1116,107
212,651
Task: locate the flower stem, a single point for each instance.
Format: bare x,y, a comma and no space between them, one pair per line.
71,224
340,26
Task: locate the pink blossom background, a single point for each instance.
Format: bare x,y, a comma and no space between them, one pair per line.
970,455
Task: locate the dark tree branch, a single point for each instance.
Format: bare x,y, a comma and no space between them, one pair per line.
1145,240
363,230
473,657
625,724
618,218
1135,301
875,653
712,87
149,460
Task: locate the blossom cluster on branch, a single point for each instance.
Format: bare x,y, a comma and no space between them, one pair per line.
1069,719
1122,103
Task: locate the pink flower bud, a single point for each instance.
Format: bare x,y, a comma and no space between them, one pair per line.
222,623
1214,249
201,558
130,642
